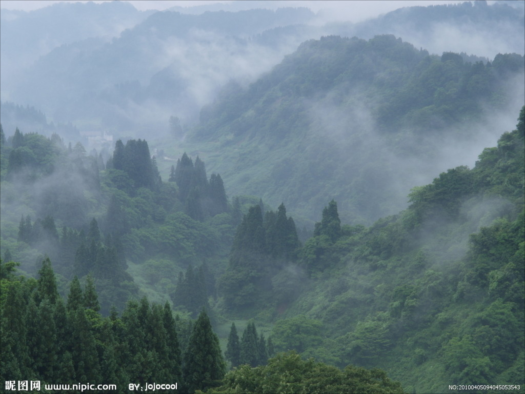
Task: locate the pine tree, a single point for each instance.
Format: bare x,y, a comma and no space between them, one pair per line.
119,158
172,174
75,299
184,176
250,234
15,361
90,295
330,224
204,365
18,139
63,329
84,349
172,345
45,342
263,353
219,202
233,349
47,285
200,179
250,346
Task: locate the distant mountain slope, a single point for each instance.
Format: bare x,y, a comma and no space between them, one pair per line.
358,121
128,81
25,36
433,295
471,27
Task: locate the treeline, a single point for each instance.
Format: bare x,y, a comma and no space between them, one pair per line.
202,197
53,340
260,249
91,215
48,339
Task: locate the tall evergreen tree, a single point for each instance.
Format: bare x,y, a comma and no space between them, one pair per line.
90,295
184,176
18,139
200,179
263,352
45,360
219,202
250,234
330,224
75,299
84,349
119,156
250,346
172,345
204,365
47,285
233,349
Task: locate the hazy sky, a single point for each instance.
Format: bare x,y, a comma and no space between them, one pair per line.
350,10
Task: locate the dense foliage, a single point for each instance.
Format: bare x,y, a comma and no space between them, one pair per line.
360,121
98,251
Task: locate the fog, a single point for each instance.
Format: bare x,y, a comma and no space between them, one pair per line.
126,69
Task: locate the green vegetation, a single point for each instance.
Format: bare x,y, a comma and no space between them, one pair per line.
432,296
359,121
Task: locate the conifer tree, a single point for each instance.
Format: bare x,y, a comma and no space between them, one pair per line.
330,224
172,345
184,176
200,179
84,349
75,299
47,285
233,349
62,328
250,346
204,365
263,353
18,139
90,295
44,346
250,234
15,362
219,202
119,157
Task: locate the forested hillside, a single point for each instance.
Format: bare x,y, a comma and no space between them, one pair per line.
433,295
263,201
358,121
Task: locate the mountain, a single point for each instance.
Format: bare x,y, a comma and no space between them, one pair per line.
472,27
170,64
432,295
358,121
26,36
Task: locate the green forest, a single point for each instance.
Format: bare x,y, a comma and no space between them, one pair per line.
345,222
431,295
